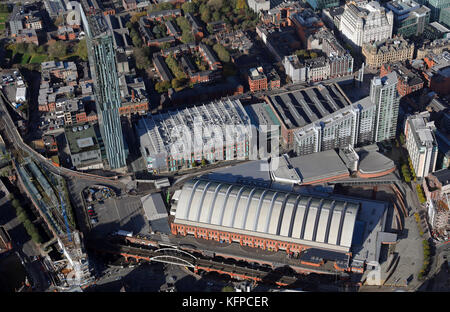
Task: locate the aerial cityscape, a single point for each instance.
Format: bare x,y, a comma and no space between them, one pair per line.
224,146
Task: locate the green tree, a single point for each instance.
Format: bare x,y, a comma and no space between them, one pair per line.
241,5
215,4
216,16
81,50
174,67
162,86
183,23
142,57
179,82
222,53
58,50
205,15
187,37
189,7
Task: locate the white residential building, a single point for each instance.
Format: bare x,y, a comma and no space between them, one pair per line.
421,143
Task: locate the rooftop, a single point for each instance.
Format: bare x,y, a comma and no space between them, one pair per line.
318,166
81,138
302,107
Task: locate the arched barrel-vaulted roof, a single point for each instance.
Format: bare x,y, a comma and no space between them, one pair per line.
284,216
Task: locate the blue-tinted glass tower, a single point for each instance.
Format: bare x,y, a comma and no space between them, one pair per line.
102,60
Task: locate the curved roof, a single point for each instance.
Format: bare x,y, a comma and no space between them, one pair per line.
309,220
374,162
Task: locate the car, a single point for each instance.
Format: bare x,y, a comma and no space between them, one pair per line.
92,213
94,221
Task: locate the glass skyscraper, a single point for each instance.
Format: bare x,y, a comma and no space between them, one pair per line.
102,60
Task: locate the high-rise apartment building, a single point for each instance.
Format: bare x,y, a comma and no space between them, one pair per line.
102,59
365,22
421,143
371,119
383,93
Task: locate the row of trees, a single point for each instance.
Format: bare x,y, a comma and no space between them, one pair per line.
426,259
24,218
420,194
58,50
233,12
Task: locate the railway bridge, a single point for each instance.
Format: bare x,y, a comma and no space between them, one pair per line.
173,255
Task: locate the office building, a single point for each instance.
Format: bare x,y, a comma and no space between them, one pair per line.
323,4
436,7
387,51
410,18
421,143
83,146
102,59
444,18
435,31
365,22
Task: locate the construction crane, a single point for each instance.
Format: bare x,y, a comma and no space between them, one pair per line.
63,207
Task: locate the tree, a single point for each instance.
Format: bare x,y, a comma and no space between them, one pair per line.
178,83
81,50
162,86
241,5
183,23
216,16
57,50
189,7
21,47
187,37
159,30
205,15
141,55
215,4
222,53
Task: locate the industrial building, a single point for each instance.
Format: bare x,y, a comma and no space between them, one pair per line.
314,227
210,132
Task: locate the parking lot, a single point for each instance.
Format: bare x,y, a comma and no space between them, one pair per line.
119,214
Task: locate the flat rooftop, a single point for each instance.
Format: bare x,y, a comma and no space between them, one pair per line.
302,107
80,139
